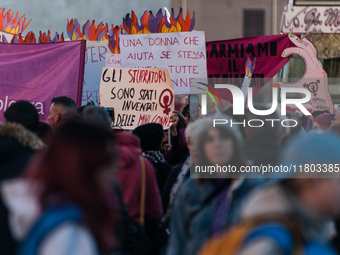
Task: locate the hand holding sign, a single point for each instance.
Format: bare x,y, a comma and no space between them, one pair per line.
314,79
138,96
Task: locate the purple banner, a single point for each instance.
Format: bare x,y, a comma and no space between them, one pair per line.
39,72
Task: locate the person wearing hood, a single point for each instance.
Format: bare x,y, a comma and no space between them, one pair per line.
151,136
129,177
18,143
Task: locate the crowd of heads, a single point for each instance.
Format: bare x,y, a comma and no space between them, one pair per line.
79,159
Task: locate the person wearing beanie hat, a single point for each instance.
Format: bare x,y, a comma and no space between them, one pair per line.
151,136
324,121
18,143
297,205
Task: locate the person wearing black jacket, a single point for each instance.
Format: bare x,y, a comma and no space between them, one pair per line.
18,143
151,136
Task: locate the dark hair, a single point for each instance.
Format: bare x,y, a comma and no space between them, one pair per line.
81,108
68,172
97,116
237,158
317,113
181,122
150,135
44,131
65,101
24,113
185,111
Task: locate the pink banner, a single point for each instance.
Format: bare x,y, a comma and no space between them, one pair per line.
226,60
39,72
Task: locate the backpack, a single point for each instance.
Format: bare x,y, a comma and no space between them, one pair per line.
50,219
287,237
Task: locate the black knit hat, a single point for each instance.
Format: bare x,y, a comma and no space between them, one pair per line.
151,136
24,113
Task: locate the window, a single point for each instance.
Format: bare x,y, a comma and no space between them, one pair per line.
253,23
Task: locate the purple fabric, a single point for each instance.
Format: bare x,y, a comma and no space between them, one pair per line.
220,212
39,72
174,153
184,139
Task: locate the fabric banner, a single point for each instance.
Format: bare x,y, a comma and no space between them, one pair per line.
226,61
39,72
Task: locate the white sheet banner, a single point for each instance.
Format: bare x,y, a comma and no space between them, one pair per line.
183,54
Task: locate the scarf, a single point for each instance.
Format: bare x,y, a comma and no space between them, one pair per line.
154,156
176,187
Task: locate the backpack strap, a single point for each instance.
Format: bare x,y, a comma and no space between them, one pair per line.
49,220
278,233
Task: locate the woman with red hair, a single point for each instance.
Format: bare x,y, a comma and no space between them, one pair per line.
64,205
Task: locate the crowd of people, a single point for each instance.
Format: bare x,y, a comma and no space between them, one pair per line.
77,186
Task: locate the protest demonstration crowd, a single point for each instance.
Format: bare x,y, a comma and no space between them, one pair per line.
120,153
78,187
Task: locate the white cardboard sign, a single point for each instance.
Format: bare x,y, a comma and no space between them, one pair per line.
183,54
138,96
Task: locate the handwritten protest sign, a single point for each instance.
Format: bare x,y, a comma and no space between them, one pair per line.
183,54
113,60
138,96
94,62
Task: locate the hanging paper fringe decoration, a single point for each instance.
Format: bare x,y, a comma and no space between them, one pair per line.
91,32
160,24
30,38
12,25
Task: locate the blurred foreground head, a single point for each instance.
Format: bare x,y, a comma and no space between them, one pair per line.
24,113
77,167
316,181
97,116
63,109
